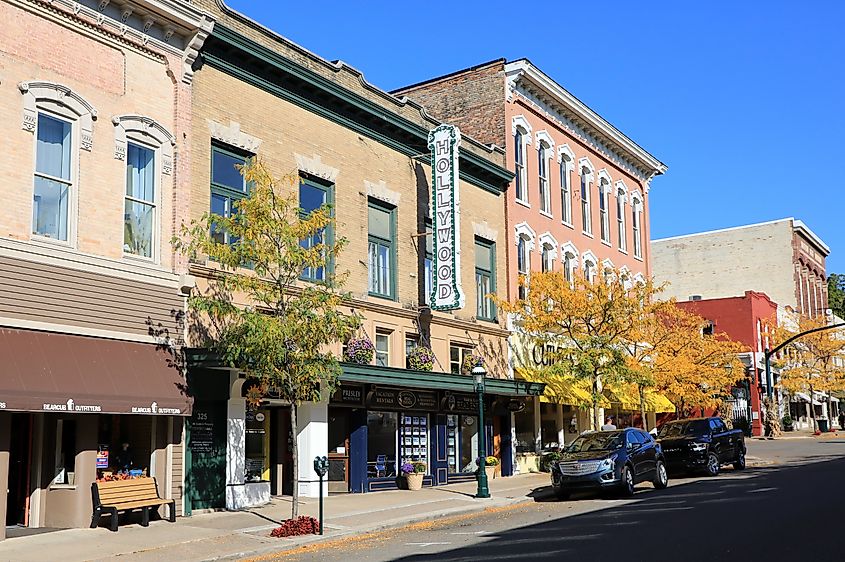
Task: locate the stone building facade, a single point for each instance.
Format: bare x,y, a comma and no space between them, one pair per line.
95,98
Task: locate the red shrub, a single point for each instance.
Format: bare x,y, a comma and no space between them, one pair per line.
302,525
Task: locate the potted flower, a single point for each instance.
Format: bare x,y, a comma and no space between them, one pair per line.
788,424
421,358
490,465
470,362
359,350
413,473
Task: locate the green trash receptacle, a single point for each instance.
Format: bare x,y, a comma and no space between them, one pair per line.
823,427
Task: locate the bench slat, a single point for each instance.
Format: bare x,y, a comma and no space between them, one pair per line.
128,497
136,504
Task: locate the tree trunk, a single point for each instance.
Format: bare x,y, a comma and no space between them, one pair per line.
813,411
642,407
596,421
294,510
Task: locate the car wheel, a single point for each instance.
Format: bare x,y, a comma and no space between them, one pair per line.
740,461
627,488
661,477
561,494
712,467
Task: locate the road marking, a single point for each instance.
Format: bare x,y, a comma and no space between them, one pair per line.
471,533
426,543
761,490
509,556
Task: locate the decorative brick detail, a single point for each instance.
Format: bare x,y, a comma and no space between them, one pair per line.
233,136
382,193
315,167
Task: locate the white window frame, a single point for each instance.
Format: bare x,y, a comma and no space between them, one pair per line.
148,133
566,162
586,172
604,182
636,225
548,251
621,228
388,335
590,266
525,233
543,158
569,252
59,102
520,125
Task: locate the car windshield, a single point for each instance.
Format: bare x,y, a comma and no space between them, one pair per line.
678,429
599,441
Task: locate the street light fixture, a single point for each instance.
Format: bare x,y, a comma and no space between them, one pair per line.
478,376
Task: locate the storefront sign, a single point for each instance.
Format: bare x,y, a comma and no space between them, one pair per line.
444,143
102,457
348,395
515,405
459,403
155,409
71,406
395,399
202,432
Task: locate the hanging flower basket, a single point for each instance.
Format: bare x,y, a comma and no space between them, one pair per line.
471,361
421,358
359,350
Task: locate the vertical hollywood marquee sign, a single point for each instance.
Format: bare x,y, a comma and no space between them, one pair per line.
446,292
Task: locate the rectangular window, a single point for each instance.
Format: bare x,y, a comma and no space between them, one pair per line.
381,235
519,166
457,353
428,269
485,267
635,231
312,196
383,349
51,196
382,430
586,220
65,452
139,202
411,341
523,266
620,220
526,434
565,192
604,216
228,186
543,166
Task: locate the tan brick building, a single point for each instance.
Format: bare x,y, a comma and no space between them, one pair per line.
365,152
90,292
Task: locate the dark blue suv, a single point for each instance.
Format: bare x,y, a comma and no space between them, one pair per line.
614,460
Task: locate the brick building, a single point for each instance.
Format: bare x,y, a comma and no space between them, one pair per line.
742,319
365,152
783,259
90,291
578,201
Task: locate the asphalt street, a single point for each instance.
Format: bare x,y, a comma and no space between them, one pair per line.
791,508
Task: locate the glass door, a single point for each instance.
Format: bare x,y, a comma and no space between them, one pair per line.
338,450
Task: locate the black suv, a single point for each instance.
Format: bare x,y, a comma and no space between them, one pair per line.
609,460
701,444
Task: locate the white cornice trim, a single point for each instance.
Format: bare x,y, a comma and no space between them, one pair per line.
584,162
316,167
564,149
524,70
545,137
483,230
620,185
19,323
546,239
802,228
381,192
605,175
569,248
520,122
232,135
589,256
524,230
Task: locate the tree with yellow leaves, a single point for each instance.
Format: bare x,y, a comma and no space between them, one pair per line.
814,361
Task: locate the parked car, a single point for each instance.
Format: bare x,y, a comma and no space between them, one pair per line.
614,460
701,444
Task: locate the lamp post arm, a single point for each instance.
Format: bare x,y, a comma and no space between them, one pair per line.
767,354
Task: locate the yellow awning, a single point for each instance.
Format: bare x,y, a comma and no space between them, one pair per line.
626,396
562,389
658,403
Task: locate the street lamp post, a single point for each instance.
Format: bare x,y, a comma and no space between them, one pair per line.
478,375
769,352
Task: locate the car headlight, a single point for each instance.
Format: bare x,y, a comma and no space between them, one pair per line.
608,463
698,447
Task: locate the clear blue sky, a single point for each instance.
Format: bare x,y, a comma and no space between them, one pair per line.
742,100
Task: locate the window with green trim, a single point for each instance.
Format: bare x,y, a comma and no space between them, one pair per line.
485,279
381,236
428,268
312,196
228,185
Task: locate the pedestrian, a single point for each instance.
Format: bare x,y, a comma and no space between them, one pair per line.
608,424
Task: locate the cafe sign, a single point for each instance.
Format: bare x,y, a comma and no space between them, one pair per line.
446,292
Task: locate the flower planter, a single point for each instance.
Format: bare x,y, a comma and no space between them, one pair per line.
415,480
491,472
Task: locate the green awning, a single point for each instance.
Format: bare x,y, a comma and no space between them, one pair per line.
391,376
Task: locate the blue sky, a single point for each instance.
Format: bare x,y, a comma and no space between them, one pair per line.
742,100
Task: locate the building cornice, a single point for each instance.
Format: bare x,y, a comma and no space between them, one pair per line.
525,76
803,229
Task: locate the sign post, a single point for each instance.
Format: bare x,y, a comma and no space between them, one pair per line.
321,467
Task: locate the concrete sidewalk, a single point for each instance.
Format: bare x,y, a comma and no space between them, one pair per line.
233,535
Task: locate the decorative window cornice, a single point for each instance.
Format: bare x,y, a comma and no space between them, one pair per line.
621,187
520,122
564,150
232,135
606,264
569,248
547,241
316,167
483,230
545,138
589,257
523,230
150,131
381,192
585,162
40,93
605,175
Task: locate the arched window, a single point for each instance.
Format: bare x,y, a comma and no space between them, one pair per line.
543,167
604,213
521,138
547,262
548,251
621,235
567,162
636,226
586,181
590,266
62,121
524,244
570,261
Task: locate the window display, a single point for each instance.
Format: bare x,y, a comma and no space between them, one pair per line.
461,443
381,444
413,438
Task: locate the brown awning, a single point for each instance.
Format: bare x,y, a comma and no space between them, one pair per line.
46,372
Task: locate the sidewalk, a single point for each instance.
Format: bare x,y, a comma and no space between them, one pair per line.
233,535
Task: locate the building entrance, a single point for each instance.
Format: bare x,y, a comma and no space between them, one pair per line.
20,457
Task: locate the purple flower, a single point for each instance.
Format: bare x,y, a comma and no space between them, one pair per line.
406,468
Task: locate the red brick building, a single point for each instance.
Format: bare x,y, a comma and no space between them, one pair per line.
742,319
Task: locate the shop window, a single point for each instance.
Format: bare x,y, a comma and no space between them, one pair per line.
53,183
485,279
526,433
257,446
461,443
381,444
65,452
228,186
413,438
457,353
382,254
383,349
312,196
139,220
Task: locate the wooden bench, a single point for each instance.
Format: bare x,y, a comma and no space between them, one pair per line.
127,495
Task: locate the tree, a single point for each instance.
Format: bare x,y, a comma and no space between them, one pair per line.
585,325
836,293
261,318
814,361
